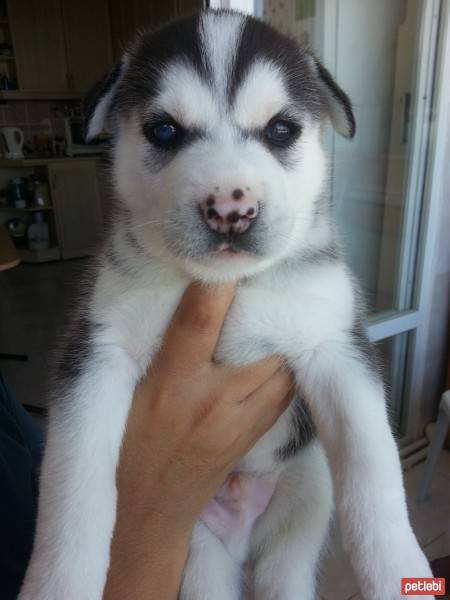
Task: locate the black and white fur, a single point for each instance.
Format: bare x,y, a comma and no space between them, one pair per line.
223,77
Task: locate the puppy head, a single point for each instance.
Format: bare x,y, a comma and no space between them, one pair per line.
217,121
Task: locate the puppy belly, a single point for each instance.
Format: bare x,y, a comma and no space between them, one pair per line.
231,514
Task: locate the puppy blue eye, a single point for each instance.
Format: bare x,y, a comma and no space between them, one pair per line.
279,132
165,132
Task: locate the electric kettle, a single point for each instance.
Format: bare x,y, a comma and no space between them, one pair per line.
11,140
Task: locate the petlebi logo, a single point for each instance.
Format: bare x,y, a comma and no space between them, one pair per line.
423,586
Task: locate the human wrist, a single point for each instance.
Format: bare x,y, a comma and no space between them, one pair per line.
147,559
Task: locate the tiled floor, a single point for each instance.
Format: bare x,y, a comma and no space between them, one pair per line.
35,301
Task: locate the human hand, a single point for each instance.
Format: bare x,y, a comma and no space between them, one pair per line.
190,422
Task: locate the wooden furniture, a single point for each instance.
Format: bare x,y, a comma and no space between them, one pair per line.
7,62
128,17
87,34
77,205
38,42
75,212
61,48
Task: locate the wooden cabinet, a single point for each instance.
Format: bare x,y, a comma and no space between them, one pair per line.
77,201
39,47
128,17
88,42
61,46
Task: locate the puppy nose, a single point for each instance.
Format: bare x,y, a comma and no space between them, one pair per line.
232,211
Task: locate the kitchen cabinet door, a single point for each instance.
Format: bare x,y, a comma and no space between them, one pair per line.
128,17
77,204
39,48
88,42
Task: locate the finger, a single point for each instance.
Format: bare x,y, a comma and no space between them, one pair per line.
275,392
246,380
192,335
265,419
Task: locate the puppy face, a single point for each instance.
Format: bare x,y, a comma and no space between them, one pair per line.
217,123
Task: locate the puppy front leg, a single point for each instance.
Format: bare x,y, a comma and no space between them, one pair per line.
346,399
77,500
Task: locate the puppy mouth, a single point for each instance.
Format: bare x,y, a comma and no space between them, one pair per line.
229,250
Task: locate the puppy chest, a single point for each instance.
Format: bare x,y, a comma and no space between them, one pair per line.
285,322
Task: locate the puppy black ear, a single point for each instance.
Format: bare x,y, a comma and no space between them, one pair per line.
98,103
339,105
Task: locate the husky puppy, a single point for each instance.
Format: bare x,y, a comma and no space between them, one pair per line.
219,174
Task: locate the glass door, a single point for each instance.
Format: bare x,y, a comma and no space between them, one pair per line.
382,54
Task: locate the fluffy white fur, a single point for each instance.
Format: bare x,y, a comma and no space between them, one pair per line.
300,309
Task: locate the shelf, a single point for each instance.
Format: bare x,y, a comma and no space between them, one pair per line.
29,209
20,95
39,256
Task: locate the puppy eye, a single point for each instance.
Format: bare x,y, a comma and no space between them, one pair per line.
279,132
165,132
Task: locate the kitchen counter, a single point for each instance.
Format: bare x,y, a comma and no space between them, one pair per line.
78,199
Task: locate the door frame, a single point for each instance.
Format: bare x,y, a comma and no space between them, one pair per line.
433,194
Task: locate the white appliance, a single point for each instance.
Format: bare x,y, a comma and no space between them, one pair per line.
11,139
75,141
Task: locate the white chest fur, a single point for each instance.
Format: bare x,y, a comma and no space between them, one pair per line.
288,312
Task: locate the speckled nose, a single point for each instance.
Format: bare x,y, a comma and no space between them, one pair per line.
229,211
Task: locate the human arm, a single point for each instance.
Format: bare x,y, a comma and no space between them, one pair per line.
190,422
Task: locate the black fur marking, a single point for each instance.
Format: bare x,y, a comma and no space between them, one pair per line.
261,41
154,51
163,153
132,241
367,351
97,93
115,260
303,431
339,95
237,194
309,84
210,201
281,151
78,351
